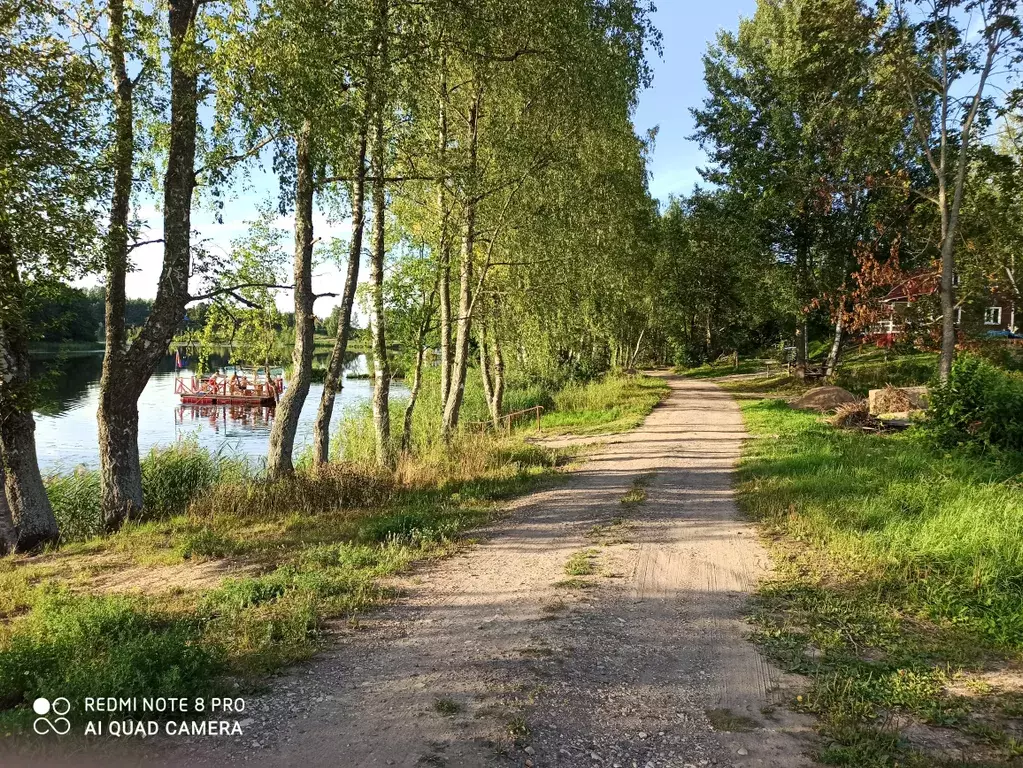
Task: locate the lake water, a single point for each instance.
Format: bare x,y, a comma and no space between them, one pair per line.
67,433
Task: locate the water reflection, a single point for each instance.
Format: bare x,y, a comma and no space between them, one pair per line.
67,433
64,381
227,420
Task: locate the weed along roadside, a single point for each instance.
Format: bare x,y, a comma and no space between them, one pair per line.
234,577
898,563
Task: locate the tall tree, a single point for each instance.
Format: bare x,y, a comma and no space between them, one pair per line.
378,332
127,367
800,118
362,69
939,54
49,181
282,435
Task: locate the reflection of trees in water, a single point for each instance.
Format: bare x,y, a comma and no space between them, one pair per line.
352,363
63,381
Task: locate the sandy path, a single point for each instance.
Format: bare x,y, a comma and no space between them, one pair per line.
486,660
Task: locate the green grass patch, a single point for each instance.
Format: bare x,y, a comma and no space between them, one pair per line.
900,569
727,720
298,555
581,563
637,494
82,645
725,367
573,583
448,707
611,404
860,370
870,367
615,531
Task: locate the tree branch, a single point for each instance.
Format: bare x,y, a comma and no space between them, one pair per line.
233,288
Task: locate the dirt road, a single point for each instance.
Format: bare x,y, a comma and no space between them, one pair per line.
498,657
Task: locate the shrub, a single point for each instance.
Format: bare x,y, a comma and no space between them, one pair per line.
172,476
979,404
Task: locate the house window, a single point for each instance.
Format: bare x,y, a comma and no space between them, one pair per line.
993,316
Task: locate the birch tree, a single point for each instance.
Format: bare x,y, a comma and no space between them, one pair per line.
946,53
50,179
127,366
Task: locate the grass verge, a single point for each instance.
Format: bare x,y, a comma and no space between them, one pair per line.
898,594
861,369
612,404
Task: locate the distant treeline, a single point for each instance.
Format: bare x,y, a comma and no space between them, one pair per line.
62,314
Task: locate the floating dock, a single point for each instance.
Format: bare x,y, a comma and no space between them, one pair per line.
232,387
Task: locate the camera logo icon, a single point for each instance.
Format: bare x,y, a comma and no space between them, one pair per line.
59,725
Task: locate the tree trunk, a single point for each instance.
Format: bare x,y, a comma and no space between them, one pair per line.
128,370
444,281
635,352
382,372
497,402
802,291
453,405
709,336
282,437
8,534
120,470
381,365
32,514
26,502
120,465
488,387
456,392
836,344
417,381
333,382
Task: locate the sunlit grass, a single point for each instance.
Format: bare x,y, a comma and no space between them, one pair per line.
899,565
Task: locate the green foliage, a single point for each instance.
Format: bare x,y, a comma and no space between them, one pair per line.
873,368
979,404
75,500
78,646
171,479
580,564
326,562
254,326
611,404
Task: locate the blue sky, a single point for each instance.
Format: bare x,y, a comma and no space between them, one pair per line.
687,28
